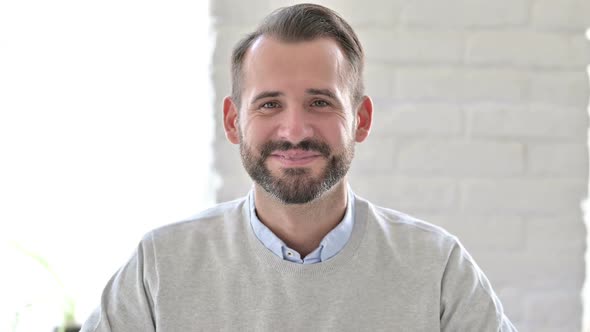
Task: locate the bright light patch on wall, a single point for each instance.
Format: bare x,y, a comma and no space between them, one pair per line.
586,211
106,126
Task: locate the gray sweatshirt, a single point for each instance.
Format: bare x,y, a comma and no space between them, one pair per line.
211,273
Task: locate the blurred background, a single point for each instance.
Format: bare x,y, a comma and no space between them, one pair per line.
106,131
110,125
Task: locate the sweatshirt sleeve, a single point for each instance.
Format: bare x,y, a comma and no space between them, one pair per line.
127,300
468,302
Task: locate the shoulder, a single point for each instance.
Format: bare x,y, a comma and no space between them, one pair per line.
390,218
409,234
402,222
207,225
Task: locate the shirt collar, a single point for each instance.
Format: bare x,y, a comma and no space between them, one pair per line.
330,245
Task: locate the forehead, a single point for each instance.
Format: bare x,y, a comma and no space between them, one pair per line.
271,63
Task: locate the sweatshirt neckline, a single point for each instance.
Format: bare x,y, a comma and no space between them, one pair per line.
346,256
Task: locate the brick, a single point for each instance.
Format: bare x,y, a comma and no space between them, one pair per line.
560,88
523,48
413,46
225,40
563,234
465,13
451,84
379,80
428,120
544,107
421,119
532,196
410,195
493,263
221,83
233,186
531,272
248,13
494,84
569,15
514,304
505,121
382,117
569,160
227,158
428,46
428,84
464,159
357,13
377,43
554,309
484,233
580,51
374,155
384,113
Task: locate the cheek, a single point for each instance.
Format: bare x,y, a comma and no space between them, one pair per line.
338,135
344,124
256,131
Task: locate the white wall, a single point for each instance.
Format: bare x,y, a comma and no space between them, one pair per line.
480,126
105,132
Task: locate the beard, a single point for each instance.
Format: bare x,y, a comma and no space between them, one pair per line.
296,185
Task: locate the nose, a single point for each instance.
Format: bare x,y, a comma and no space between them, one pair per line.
295,125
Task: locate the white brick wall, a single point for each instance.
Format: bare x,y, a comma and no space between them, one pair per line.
480,127
555,123
523,48
461,158
465,13
561,15
420,120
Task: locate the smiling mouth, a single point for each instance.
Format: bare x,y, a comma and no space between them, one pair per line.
296,154
295,157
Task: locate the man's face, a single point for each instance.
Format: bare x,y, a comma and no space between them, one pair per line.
296,123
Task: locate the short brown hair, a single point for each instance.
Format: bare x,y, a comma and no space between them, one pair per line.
304,22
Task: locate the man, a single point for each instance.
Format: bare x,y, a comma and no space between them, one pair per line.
301,252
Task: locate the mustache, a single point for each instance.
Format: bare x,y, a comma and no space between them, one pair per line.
307,145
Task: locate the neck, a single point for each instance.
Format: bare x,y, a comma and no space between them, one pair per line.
302,226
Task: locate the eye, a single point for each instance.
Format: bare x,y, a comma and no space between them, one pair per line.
270,104
320,103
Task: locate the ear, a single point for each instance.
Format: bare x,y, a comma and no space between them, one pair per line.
230,120
364,118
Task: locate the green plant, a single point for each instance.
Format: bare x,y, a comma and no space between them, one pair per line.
69,303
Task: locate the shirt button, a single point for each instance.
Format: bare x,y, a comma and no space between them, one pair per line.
289,253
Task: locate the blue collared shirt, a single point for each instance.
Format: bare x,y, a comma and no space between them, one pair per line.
330,245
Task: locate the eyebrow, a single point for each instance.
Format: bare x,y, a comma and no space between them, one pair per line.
322,92
266,94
